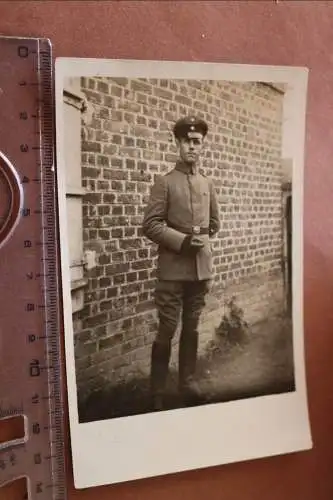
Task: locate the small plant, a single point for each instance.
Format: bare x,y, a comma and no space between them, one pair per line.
233,328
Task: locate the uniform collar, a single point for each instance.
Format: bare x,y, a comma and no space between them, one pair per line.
186,169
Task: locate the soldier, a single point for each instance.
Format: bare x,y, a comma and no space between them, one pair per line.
181,216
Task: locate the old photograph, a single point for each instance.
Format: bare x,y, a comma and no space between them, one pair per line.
178,225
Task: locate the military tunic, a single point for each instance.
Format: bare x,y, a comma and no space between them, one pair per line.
182,202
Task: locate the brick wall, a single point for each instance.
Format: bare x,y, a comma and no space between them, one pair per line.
127,142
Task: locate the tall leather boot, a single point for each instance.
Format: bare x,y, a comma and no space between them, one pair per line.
160,355
187,356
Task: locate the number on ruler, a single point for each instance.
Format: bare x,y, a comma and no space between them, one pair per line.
27,244
12,459
39,488
35,399
37,458
24,148
31,338
34,368
23,115
26,212
23,51
36,428
30,307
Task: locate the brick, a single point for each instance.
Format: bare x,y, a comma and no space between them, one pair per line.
172,158
129,117
117,162
118,257
96,320
91,146
109,197
129,199
130,243
118,268
131,106
141,120
141,98
130,164
117,185
164,94
120,81
104,234
137,220
82,350
117,210
92,96
149,284
143,253
132,276
118,220
141,86
119,279
102,87
119,175
129,231
142,264
90,172
103,185
105,305
109,342
116,91
117,139
103,160
109,149
139,131
114,126
112,292
129,141
94,198
104,114
145,306
104,259
183,100
130,289
143,188
88,83
143,275
117,233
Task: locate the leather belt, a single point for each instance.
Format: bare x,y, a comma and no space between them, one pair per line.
189,230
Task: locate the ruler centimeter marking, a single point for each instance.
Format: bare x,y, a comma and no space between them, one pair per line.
31,370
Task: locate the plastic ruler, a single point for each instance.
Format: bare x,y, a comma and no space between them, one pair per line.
30,349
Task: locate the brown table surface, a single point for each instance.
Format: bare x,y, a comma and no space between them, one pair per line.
260,32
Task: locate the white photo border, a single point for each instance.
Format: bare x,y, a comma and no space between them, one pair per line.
134,447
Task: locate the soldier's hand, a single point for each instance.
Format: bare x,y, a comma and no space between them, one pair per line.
196,242
191,245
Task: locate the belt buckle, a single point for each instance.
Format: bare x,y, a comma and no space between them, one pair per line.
196,229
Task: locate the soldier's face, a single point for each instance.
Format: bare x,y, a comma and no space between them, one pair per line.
190,147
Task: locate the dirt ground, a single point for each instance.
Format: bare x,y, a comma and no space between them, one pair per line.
260,364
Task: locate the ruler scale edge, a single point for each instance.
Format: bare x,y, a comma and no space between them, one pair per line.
53,362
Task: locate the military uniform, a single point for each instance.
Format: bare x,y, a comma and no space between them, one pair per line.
182,203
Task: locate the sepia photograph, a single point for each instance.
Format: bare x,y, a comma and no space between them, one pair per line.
181,232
